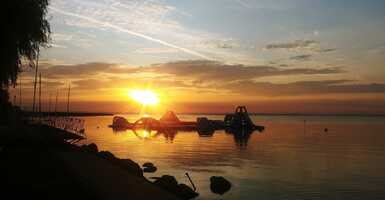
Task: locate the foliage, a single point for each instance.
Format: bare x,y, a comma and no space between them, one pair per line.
24,28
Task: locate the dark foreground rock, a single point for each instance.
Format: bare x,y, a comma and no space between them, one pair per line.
149,167
170,184
131,166
91,148
148,164
126,164
219,185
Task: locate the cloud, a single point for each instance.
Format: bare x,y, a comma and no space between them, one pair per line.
300,45
243,3
194,78
327,50
120,28
208,71
303,57
221,43
194,70
84,70
296,45
303,88
155,50
154,21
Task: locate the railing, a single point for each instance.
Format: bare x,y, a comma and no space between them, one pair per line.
69,124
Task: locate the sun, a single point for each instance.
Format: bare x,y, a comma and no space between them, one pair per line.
144,97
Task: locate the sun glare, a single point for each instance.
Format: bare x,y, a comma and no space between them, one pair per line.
145,97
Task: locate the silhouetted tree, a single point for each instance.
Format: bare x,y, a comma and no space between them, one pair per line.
24,28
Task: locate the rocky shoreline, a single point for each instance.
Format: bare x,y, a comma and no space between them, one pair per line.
41,164
166,182
34,165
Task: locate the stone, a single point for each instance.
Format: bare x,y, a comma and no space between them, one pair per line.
150,169
170,184
167,182
131,167
91,148
107,155
186,192
219,185
148,164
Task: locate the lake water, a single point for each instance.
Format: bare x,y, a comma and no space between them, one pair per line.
289,160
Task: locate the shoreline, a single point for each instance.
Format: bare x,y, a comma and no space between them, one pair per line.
40,165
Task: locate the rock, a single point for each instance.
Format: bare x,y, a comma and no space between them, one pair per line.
186,192
131,166
150,169
219,185
107,155
148,164
91,148
170,184
126,164
167,182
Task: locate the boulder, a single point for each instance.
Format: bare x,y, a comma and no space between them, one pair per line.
186,192
170,184
107,155
131,166
167,182
219,185
126,164
91,148
148,164
150,169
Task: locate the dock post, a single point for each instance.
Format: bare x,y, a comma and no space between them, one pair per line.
191,182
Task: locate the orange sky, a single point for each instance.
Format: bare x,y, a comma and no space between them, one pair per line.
210,56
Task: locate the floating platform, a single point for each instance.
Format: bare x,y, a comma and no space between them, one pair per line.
239,120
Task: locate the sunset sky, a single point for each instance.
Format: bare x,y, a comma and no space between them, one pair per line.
297,56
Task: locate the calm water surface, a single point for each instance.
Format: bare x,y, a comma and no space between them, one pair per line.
289,160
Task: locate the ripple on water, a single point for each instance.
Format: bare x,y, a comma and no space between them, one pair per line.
283,162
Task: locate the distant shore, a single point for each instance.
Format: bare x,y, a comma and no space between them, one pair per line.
70,114
279,114
92,114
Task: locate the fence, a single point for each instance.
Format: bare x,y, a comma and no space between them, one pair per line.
69,124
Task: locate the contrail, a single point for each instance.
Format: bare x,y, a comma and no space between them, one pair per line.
242,3
106,24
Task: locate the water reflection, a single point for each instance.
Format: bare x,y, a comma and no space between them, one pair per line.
241,136
145,134
169,134
205,132
281,163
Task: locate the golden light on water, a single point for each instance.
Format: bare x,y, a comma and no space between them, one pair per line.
144,97
145,134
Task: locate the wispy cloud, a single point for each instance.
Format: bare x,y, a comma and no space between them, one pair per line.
121,29
304,88
205,75
300,46
155,50
197,71
296,45
243,3
303,57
